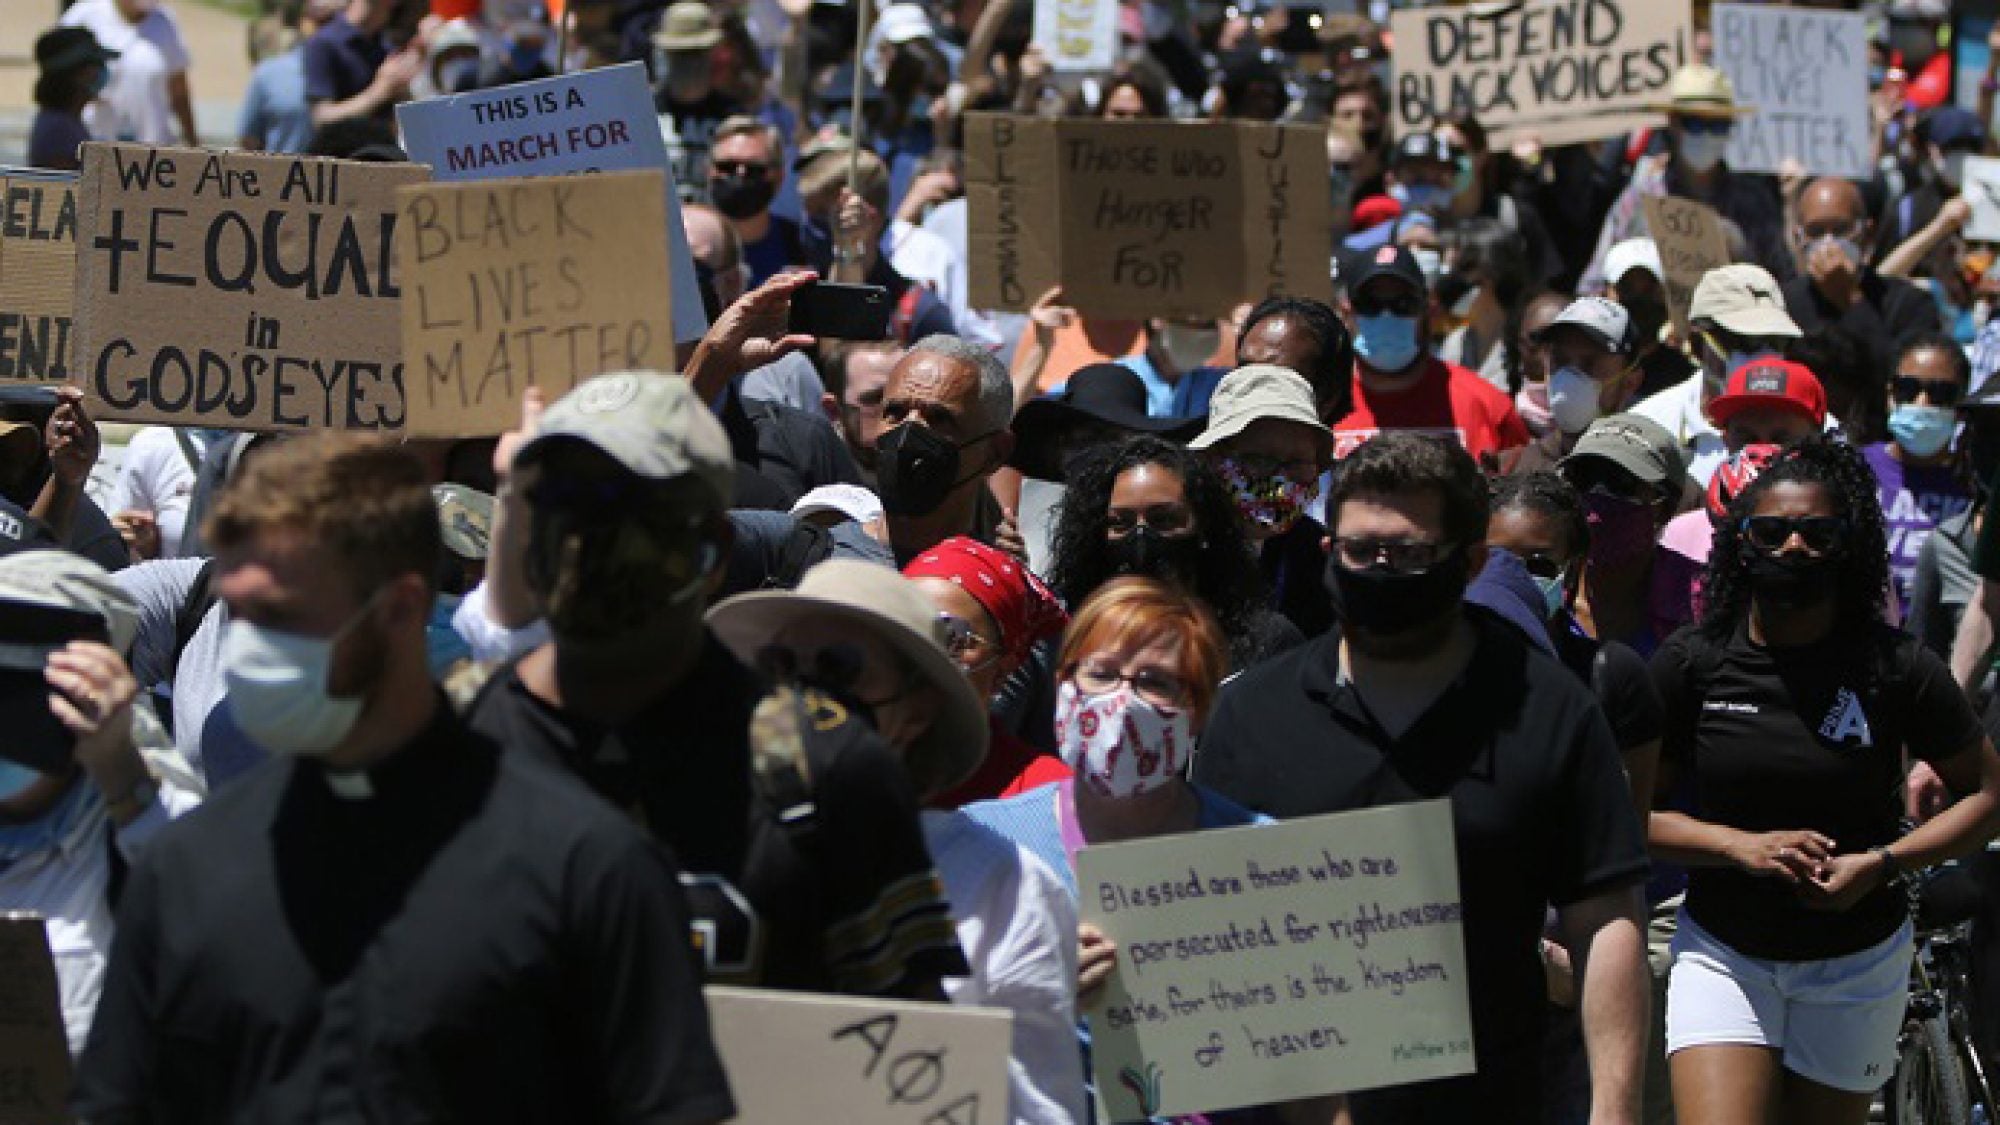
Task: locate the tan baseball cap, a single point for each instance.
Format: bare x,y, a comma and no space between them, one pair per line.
1261,390
1744,300
648,421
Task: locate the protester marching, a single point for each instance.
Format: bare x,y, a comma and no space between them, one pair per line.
1048,561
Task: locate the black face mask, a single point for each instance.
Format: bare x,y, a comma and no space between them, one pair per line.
915,469
1388,602
1792,581
741,197
1371,139
1148,554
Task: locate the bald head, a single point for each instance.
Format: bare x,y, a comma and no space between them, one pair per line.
1833,195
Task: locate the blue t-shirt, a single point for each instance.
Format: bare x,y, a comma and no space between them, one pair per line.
275,112
780,247
1187,398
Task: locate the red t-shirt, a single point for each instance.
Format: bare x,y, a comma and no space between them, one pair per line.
1448,400
1011,766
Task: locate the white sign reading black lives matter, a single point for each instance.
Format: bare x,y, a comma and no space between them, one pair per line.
239,291
1804,73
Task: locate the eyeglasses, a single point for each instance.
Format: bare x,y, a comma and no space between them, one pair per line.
1102,677
961,640
1821,535
1162,519
1813,232
745,169
835,667
1941,392
1402,304
1408,556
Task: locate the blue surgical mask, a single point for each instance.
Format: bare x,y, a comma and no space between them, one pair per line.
1703,151
1435,198
1923,431
278,689
1386,342
1554,593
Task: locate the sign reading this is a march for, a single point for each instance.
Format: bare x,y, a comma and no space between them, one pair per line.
1077,35
1563,70
37,275
794,1057
1691,242
1155,219
1264,964
34,1050
238,291
597,121
513,283
1804,73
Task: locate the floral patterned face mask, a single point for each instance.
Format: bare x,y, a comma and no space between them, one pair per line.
1267,502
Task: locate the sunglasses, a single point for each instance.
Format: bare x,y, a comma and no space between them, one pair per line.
1404,556
1402,304
1700,126
1942,393
745,169
1822,535
1543,566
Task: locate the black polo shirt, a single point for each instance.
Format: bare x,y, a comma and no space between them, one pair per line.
1539,804
461,935
1890,313
850,904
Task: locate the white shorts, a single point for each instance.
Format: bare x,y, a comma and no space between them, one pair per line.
1835,1021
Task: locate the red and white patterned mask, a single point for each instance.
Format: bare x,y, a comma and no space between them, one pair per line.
1118,744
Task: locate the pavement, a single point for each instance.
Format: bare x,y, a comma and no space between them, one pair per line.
217,40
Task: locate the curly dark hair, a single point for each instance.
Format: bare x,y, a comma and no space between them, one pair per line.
1862,585
1545,493
1332,378
1226,579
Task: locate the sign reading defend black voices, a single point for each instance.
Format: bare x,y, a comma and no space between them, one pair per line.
239,291
1564,70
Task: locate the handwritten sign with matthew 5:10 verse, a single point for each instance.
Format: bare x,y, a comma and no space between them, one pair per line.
1266,964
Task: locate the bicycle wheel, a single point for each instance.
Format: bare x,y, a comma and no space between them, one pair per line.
1929,1086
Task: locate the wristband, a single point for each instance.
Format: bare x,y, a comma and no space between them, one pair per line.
1892,868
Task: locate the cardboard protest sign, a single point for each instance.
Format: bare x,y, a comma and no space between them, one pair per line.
37,275
1011,236
1077,35
597,121
1564,70
1805,73
237,290
795,1057
508,283
1691,243
1981,189
34,1049
1263,964
1148,219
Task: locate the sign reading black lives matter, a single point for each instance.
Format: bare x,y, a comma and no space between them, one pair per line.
1562,70
1805,73
37,275
1155,219
239,291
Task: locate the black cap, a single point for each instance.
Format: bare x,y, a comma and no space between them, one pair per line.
1384,261
1424,146
65,48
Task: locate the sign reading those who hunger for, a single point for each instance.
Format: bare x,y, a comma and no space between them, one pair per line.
598,121
1805,73
796,1057
1563,70
508,283
237,290
1264,964
34,1050
1691,242
1077,35
1150,219
1982,191
37,275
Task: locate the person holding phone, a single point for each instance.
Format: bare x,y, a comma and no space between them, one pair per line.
84,768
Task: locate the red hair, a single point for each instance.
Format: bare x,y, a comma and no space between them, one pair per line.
1137,612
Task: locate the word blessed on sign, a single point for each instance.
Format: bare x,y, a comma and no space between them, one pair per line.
239,291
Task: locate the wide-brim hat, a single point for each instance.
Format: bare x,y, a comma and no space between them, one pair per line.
1258,391
65,48
882,603
1108,394
687,26
1702,91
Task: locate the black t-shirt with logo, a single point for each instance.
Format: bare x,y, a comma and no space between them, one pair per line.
1540,807
849,904
1810,737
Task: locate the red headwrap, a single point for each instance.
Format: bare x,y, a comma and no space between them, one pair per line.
1024,609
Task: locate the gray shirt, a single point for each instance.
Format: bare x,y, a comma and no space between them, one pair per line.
192,693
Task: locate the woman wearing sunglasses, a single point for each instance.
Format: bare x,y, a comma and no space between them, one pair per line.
993,612
1920,481
1138,672
1791,705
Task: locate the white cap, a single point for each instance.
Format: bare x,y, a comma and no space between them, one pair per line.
901,23
1633,253
1605,321
850,500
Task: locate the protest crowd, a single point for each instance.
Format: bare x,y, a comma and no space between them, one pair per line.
1351,564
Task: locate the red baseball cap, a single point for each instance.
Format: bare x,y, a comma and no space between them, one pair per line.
1375,210
1770,383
